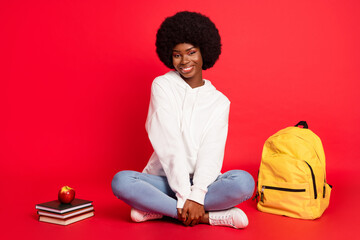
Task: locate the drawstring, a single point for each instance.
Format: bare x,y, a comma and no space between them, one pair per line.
193,107
183,117
182,112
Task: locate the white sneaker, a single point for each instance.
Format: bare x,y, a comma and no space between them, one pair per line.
233,217
140,216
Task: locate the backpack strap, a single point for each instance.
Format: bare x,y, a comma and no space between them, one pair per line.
303,124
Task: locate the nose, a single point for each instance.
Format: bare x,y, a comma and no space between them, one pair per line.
185,59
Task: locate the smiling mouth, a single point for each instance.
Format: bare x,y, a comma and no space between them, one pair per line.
187,69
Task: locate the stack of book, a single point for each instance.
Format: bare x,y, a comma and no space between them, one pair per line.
65,214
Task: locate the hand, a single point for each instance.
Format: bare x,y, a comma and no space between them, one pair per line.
179,213
191,213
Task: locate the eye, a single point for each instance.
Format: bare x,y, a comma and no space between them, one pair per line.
176,55
192,52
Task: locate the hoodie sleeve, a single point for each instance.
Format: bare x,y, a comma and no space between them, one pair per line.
210,157
165,136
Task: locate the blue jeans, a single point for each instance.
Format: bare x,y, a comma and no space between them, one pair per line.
152,193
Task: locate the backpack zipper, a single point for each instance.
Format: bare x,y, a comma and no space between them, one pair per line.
291,189
313,179
257,192
279,189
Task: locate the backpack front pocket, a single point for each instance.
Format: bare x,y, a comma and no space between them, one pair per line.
289,199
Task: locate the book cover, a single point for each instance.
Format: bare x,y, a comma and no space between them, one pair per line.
57,207
66,221
66,215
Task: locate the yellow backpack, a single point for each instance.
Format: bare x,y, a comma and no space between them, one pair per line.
292,178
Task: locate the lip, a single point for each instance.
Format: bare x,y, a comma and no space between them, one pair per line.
186,69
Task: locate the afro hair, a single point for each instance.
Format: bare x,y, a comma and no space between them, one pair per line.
188,27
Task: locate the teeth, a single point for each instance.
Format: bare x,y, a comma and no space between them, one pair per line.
187,69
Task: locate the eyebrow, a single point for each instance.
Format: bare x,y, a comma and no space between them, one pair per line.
174,50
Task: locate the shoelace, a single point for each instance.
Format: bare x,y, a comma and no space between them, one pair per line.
150,215
223,220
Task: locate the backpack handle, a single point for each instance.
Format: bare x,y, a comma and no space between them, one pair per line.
302,123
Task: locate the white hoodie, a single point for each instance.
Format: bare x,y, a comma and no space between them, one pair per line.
187,128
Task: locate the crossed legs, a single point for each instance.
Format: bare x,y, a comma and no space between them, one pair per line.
152,193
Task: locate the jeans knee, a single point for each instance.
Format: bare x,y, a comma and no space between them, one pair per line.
245,183
120,183
249,182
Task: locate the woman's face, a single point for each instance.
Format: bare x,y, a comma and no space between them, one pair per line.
187,60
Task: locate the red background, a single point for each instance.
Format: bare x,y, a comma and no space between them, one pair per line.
75,86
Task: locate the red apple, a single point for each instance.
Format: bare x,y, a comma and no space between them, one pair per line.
66,194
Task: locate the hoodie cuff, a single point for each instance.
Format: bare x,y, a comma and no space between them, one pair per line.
197,195
180,201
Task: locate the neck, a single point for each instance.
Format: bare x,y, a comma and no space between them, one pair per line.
195,81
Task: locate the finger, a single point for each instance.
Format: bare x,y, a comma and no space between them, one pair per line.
184,215
180,217
194,222
189,220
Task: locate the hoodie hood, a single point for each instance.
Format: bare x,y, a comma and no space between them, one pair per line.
190,97
174,75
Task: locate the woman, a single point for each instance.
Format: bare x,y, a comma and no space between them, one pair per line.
187,124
